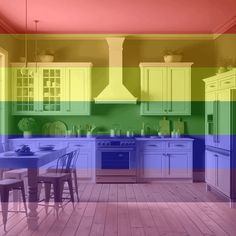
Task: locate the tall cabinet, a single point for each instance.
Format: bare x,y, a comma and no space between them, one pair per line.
165,88
51,88
220,96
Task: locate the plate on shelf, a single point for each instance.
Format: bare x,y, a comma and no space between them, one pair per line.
58,129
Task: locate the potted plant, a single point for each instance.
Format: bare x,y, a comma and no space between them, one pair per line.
27,125
173,56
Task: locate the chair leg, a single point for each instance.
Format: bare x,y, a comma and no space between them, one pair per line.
24,198
47,187
16,200
57,195
69,181
4,201
76,184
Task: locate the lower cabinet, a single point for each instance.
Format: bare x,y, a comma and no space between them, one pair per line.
152,165
179,165
217,171
160,160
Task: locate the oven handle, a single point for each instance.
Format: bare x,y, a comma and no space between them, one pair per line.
116,149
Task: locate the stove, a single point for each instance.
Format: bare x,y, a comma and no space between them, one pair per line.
115,160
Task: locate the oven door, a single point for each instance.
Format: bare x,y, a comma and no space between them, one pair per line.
118,161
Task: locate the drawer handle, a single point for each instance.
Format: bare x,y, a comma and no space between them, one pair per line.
152,145
212,86
227,82
179,145
216,155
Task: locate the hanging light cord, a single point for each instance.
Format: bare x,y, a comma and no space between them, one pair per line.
36,44
26,30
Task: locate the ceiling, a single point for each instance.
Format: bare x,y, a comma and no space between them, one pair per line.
119,16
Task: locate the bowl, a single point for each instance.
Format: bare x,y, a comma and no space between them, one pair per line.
173,58
46,58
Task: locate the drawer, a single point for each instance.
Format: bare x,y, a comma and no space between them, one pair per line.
227,83
211,86
179,145
153,145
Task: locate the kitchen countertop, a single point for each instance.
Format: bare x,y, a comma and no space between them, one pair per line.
57,138
164,139
94,138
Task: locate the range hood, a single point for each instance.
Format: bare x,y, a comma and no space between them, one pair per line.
115,91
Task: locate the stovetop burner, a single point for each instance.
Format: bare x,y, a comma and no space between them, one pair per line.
115,142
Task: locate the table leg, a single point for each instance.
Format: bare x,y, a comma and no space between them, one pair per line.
33,199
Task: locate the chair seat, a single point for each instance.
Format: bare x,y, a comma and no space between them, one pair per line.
16,173
5,182
48,177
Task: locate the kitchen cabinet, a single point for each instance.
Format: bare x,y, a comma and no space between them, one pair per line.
218,171
85,165
169,159
51,89
165,88
152,164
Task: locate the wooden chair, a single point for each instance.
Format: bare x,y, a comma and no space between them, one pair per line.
57,179
6,185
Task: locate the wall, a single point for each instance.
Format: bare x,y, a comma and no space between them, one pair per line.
225,46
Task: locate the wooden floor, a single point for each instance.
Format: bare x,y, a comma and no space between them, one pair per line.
135,209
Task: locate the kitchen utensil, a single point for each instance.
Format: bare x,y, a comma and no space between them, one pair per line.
46,129
179,126
58,128
164,126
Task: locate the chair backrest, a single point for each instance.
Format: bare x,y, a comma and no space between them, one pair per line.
68,161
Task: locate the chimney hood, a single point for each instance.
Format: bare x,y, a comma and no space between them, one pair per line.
115,91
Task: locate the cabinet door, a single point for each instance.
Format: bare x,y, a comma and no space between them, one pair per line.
223,119
210,119
210,168
179,91
25,91
178,165
153,91
77,91
223,174
51,89
152,164
84,164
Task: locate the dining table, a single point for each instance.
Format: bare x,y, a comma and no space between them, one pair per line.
39,159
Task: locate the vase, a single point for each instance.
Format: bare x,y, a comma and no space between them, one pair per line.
172,58
27,134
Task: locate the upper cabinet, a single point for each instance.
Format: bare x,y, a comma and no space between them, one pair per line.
51,88
165,88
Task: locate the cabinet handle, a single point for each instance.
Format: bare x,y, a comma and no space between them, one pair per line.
179,145
227,82
165,110
170,110
212,86
215,155
152,145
